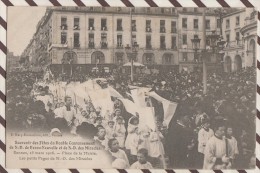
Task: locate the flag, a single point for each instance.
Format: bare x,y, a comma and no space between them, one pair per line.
169,107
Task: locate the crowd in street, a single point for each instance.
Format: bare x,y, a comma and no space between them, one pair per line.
211,131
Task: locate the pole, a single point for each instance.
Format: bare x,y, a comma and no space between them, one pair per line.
131,54
204,67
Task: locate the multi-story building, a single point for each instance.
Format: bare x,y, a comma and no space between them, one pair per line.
99,35
239,31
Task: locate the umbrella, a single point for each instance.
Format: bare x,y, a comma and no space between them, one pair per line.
137,64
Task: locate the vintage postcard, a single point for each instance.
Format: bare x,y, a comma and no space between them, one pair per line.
131,88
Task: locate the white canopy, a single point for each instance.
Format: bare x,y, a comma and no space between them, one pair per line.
136,64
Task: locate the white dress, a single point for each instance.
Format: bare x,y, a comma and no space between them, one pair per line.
203,137
215,149
120,154
131,133
156,146
120,134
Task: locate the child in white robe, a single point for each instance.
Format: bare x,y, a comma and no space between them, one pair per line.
116,152
120,131
132,125
110,129
142,162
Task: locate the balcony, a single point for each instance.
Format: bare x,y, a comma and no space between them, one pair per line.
76,27
174,30
162,29
64,27
104,28
234,44
103,45
148,29
119,28
91,28
119,46
91,45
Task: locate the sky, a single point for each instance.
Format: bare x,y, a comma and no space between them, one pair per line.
21,24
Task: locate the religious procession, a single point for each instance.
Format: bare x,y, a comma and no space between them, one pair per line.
158,121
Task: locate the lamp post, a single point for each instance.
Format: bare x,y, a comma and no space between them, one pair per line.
131,54
216,44
195,45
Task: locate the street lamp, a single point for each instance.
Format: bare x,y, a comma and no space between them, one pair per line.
131,54
195,45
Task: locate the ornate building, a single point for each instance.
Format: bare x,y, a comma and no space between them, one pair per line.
240,32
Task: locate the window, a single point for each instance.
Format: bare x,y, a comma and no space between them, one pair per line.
228,38
237,36
148,26
134,39
184,39
103,24
227,23
173,27
173,10
64,25
196,23
162,10
76,23
76,39
119,25
174,43
91,40
103,42
63,38
184,9
184,22
207,42
207,24
148,42
162,26
119,41
195,10
218,23
148,9
162,42
237,20
185,56
119,58
91,24
133,25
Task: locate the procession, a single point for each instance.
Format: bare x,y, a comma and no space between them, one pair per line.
145,120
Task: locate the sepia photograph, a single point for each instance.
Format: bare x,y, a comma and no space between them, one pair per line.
131,88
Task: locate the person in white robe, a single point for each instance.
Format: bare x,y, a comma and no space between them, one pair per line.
110,131
116,152
142,163
120,131
205,133
68,111
132,125
233,143
217,151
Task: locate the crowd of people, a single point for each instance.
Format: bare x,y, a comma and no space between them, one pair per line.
211,131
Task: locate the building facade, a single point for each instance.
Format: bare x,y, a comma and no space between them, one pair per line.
240,32
99,35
